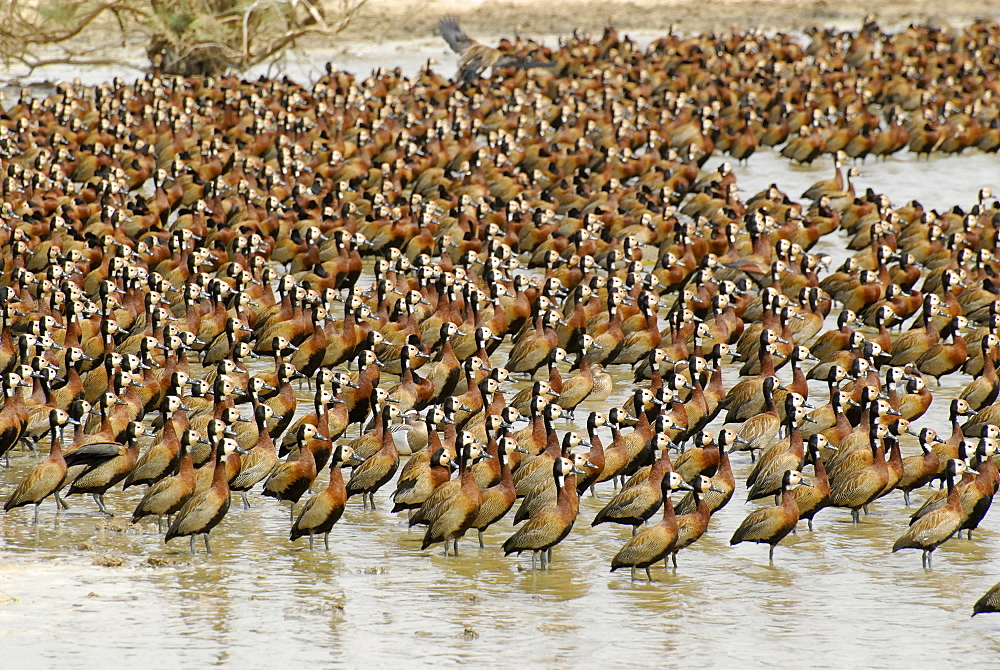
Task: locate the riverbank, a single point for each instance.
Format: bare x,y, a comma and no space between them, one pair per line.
386,20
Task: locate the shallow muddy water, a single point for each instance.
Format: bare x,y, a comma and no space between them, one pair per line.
89,591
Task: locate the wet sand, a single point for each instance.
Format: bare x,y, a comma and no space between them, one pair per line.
384,20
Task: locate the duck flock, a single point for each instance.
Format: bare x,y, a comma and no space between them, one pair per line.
439,261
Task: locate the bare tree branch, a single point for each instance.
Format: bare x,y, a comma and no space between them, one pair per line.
182,36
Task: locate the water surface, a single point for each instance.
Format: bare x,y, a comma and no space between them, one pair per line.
89,591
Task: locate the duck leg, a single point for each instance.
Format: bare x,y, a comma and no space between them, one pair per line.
649,575
99,499
192,544
482,545
208,548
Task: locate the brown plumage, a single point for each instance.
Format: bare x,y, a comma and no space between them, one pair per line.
324,509
378,469
811,499
98,478
432,507
289,480
652,543
757,432
497,500
931,530
920,469
723,483
635,504
990,602
166,496
204,510
260,459
414,489
770,525
857,488
691,526
475,58
549,528
457,514
45,478
161,458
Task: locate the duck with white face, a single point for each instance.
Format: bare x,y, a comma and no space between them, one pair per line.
770,525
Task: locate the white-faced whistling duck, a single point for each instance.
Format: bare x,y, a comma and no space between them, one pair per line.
379,468
456,514
289,480
100,477
652,543
929,531
203,511
323,510
811,499
46,477
166,496
259,461
416,485
541,533
497,500
770,525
